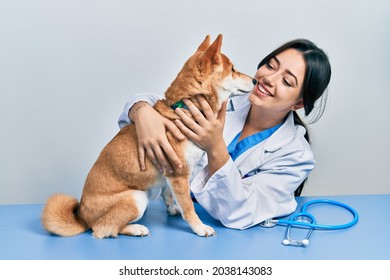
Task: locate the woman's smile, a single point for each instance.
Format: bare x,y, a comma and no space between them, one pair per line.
262,90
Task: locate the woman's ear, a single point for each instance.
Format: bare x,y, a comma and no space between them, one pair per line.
298,105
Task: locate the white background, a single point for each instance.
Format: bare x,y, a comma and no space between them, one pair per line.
110,269
68,67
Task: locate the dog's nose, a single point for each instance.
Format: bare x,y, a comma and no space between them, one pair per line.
254,81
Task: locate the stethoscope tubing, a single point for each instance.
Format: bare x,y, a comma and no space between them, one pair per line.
313,224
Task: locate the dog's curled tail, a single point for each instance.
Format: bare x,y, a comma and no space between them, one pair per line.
59,216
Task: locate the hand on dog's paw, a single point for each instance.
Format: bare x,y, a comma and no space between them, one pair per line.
204,230
173,210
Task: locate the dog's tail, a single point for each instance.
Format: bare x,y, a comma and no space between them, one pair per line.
59,216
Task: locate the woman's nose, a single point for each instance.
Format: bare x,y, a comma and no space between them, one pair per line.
268,80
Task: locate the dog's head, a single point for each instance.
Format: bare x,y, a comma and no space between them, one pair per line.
211,73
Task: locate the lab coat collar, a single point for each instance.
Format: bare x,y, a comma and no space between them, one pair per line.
238,103
238,109
253,158
282,136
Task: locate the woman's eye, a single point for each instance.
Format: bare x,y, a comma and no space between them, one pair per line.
286,82
269,66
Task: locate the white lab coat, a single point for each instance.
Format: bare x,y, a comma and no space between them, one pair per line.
282,162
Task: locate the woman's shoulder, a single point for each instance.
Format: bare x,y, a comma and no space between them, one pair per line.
290,139
300,143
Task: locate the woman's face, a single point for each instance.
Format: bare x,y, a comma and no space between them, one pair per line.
279,83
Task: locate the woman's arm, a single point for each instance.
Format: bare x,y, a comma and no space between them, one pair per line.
244,202
150,98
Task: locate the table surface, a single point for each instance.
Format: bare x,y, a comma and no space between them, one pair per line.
22,236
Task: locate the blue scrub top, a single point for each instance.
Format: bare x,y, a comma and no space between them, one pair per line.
236,148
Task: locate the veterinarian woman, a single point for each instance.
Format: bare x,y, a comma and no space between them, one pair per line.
258,152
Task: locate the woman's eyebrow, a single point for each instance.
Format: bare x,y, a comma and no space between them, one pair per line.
276,59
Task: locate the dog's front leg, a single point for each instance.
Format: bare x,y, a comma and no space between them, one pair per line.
172,208
181,191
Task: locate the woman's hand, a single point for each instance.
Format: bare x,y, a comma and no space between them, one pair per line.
206,131
151,130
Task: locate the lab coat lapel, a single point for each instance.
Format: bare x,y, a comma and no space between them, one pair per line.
255,157
282,136
237,111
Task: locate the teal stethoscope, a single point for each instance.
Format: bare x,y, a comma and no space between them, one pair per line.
306,220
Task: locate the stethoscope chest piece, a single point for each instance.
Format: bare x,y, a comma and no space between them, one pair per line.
299,218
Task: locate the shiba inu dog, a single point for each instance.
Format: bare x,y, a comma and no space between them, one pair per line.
115,190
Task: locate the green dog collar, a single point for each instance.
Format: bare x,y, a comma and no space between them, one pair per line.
179,104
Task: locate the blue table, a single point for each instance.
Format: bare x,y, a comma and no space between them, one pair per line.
22,237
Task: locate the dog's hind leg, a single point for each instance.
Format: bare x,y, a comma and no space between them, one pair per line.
129,208
181,191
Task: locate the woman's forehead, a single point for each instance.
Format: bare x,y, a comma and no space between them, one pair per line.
292,60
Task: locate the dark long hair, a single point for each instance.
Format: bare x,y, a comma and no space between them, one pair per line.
316,80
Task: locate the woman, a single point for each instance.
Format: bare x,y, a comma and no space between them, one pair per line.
257,148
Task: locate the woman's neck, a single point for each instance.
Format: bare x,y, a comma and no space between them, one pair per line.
259,120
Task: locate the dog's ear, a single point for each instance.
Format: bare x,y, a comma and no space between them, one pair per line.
205,44
212,53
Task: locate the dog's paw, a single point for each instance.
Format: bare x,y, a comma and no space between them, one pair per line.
135,230
100,232
204,230
173,210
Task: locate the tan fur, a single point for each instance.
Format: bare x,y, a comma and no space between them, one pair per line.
114,193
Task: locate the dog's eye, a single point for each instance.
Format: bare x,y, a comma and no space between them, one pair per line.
233,70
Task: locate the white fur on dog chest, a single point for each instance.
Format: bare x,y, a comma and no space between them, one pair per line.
193,154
